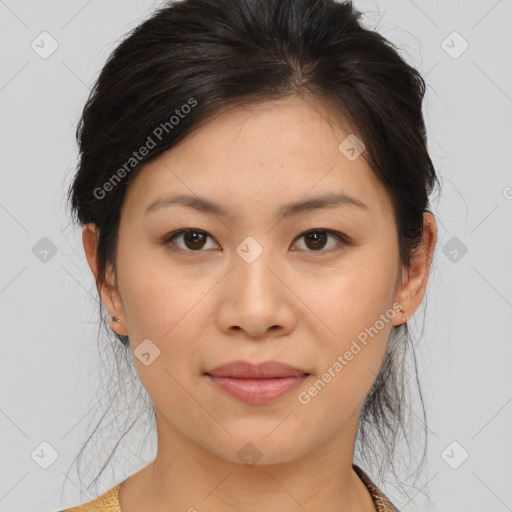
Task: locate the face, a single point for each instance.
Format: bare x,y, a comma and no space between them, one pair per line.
316,289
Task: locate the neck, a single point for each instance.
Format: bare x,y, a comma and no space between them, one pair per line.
189,477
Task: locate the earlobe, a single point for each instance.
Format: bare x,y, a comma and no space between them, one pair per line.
116,324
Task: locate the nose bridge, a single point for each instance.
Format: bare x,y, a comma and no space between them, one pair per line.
255,299
253,263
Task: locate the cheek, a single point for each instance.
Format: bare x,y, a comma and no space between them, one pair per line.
162,310
350,357
153,296
352,296
162,306
354,308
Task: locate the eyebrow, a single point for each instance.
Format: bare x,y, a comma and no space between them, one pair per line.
202,204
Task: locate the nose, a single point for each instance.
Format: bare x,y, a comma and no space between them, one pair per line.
257,299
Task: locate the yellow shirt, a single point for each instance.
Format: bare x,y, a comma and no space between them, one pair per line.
108,502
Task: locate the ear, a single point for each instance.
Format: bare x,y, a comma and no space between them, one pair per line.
412,289
109,291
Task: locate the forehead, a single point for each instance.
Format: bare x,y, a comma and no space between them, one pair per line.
274,152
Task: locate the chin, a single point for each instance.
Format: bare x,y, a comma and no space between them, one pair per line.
259,448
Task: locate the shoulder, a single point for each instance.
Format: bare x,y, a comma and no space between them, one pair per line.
107,502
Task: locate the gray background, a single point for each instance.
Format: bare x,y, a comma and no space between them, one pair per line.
49,365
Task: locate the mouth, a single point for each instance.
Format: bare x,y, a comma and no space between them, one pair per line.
256,384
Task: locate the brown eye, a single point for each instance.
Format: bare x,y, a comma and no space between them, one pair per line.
315,240
192,239
195,240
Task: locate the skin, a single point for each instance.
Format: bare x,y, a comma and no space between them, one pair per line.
296,304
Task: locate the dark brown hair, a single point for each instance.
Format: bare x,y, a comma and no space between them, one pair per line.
216,55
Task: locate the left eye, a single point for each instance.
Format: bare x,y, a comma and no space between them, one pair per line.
316,238
195,239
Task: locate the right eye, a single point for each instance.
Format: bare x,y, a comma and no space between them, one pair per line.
193,240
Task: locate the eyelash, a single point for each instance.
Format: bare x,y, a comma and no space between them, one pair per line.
344,240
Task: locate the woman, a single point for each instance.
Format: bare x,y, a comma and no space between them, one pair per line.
253,188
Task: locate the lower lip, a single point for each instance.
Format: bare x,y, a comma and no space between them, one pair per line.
257,391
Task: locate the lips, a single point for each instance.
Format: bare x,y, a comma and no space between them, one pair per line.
256,383
266,370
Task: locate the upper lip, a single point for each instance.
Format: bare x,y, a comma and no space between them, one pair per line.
247,370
